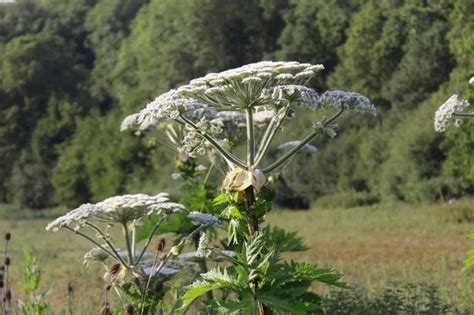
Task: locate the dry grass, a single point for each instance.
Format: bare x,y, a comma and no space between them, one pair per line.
374,246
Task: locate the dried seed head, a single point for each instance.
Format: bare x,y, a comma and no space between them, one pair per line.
128,310
108,287
159,287
7,261
114,269
161,244
8,295
70,288
2,284
8,236
105,309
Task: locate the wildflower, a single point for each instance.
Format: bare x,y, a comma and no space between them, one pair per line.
203,250
130,122
444,113
199,218
262,117
165,107
348,100
240,179
161,244
120,209
471,80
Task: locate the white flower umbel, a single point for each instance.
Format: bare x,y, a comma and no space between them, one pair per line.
454,106
256,95
203,249
126,211
74,219
199,218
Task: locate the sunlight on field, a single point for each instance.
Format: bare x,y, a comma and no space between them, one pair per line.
371,246
379,245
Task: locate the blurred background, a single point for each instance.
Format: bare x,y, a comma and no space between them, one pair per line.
70,71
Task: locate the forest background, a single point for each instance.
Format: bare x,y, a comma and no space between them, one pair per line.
72,70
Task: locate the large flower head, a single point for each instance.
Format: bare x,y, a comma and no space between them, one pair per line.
454,105
118,209
256,98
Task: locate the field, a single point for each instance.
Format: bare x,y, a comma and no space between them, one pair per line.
372,246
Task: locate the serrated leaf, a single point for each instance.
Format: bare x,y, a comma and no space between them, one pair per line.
197,289
284,241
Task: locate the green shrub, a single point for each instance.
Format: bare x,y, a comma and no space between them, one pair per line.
346,200
395,299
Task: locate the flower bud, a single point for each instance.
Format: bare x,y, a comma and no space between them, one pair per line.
240,179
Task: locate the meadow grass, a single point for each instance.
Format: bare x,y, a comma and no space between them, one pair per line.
373,246
378,245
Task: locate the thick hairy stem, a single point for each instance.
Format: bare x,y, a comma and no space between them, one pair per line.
253,228
250,138
128,244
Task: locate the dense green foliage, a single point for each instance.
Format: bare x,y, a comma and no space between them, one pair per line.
71,70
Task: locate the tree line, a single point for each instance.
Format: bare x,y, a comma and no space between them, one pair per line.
72,70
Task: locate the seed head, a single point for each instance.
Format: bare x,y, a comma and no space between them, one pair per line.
115,269
8,236
161,244
8,295
7,261
105,309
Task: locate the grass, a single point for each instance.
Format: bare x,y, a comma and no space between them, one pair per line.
373,246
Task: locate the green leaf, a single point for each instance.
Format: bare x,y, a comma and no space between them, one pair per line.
284,241
197,289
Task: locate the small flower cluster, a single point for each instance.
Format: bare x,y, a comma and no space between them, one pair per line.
199,218
121,209
454,105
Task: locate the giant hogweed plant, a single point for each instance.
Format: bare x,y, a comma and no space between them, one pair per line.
210,117
140,276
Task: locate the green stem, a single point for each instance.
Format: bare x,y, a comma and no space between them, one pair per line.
263,150
90,239
250,137
165,259
464,114
208,174
105,238
127,243
302,143
225,154
150,236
